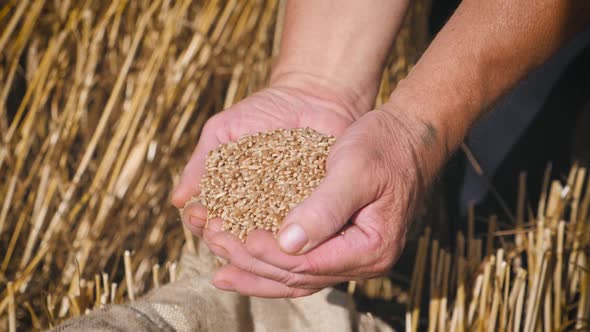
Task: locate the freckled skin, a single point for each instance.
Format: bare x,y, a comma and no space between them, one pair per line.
429,135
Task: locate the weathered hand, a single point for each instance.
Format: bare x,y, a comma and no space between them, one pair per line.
282,106
285,105
352,226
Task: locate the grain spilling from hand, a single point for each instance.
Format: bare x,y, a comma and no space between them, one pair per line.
254,183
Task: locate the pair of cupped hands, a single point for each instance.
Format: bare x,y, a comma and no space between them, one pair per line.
353,225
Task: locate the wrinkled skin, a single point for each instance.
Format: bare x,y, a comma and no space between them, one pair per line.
355,221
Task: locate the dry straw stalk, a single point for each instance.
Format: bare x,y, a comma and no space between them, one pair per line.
539,285
101,103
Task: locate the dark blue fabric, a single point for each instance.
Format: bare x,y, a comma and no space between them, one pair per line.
494,135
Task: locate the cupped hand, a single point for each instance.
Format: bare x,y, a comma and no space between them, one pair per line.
283,106
293,101
352,226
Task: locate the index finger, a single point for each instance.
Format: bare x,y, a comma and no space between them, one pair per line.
349,253
189,184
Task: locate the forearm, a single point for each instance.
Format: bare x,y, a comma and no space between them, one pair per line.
484,49
338,46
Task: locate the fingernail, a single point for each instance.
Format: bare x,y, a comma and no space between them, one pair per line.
195,214
174,195
292,239
196,221
219,251
223,284
199,211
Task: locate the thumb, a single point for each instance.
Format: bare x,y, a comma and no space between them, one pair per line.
340,195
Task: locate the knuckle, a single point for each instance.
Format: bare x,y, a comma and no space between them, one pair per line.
301,293
290,292
243,261
324,215
213,123
297,292
255,250
382,256
331,218
195,230
376,244
246,265
383,265
208,236
385,260
293,280
308,265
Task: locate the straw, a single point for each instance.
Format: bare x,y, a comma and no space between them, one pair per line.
101,105
539,285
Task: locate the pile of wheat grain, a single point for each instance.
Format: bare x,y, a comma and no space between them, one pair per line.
255,182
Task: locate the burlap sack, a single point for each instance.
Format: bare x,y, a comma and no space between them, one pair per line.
193,304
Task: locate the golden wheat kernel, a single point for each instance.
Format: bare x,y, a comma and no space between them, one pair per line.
254,183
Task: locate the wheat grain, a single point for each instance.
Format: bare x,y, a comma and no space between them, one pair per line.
255,182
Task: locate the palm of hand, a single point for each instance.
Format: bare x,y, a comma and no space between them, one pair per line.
267,110
264,111
370,181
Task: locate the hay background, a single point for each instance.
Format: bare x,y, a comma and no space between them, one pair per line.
101,104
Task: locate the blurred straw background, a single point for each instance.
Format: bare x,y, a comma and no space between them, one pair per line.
101,103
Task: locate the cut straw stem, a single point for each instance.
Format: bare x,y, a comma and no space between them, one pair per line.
417,300
156,275
172,271
442,316
557,278
520,206
129,275
11,308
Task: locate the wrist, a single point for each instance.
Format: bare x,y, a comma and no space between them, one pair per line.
448,114
345,99
433,133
